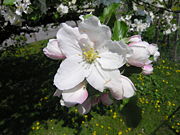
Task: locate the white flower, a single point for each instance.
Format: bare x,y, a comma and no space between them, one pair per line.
62,9
142,52
88,56
22,6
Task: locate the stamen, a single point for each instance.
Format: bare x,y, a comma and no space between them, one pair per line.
90,55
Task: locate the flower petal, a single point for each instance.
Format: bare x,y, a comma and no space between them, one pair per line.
120,86
110,60
63,103
98,77
53,50
120,48
96,32
76,95
68,40
70,73
128,87
147,69
85,107
135,38
115,85
139,57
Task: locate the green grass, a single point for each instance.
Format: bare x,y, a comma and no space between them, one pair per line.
28,107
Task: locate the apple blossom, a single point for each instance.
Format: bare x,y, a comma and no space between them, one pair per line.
89,57
142,51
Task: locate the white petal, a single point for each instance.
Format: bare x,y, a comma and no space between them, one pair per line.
120,86
139,57
120,48
135,38
96,32
76,95
85,107
70,73
152,49
128,87
110,60
98,77
68,40
53,50
115,85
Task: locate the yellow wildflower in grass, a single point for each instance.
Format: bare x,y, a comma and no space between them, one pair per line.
120,133
76,110
94,133
45,98
33,128
37,128
97,124
109,128
166,117
37,123
102,126
177,71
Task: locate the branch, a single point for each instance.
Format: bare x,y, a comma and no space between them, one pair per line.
146,3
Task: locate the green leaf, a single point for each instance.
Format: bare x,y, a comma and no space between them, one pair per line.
108,12
87,16
8,2
120,30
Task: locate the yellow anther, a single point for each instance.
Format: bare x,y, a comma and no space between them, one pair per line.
90,55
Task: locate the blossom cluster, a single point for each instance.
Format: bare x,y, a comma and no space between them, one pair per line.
91,63
140,18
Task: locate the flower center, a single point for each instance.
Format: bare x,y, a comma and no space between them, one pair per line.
90,55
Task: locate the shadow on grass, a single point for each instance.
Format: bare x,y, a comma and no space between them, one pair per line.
132,113
26,93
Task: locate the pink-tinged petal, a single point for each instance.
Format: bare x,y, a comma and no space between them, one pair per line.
96,31
57,93
128,87
85,107
105,99
70,73
68,40
53,50
139,57
147,69
135,38
98,77
76,95
110,60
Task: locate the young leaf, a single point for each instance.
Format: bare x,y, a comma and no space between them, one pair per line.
108,12
120,30
8,2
